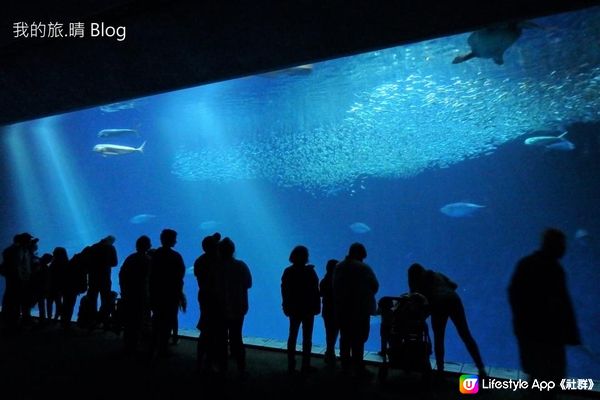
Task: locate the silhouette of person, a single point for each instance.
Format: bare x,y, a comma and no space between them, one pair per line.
385,305
40,282
543,318
102,259
207,269
11,257
445,304
75,283
301,302
175,328
27,269
132,281
332,328
17,264
354,289
166,284
58,269
237,280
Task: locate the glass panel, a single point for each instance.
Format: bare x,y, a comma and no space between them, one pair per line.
457,166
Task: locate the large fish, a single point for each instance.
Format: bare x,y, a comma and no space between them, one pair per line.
116,149
360,227
114,107
299,70
117,132
551,142
581,234
209,225
142,218
460,209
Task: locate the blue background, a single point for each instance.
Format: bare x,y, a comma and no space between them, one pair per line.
384,138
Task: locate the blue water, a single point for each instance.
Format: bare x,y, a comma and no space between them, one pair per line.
382,139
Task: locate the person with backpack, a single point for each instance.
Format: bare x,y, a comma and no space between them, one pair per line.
354,288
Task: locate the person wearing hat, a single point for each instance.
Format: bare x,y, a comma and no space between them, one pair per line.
17,272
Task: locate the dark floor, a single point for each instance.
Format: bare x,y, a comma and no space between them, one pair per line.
43,362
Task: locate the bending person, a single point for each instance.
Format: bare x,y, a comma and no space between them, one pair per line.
445,304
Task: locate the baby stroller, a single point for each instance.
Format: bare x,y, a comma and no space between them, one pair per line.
404,332
87,317
115,318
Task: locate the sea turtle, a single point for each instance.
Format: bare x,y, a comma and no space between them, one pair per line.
493,41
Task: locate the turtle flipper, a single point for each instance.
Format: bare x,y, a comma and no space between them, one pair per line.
463,58
499,59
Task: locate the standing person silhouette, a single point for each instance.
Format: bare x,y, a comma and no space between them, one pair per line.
58,269
237,280
332,328
543,317
132,281
301,302
166,284
17,264
211,300
445,304
354,289
103,258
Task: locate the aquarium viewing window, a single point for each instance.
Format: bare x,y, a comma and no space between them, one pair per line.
449,152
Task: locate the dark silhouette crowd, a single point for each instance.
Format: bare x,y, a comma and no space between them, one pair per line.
151,296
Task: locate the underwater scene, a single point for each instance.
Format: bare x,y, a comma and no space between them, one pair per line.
455,153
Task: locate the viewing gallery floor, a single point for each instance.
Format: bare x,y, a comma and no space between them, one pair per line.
46,363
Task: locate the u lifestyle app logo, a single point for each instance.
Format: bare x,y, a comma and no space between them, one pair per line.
469,384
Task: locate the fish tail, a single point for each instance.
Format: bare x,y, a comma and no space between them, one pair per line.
141,148
463,58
